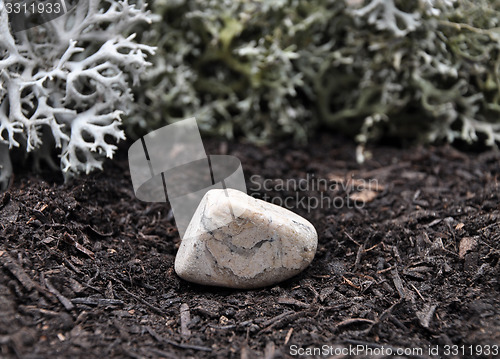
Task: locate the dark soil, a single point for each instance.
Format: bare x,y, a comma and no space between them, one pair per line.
86,269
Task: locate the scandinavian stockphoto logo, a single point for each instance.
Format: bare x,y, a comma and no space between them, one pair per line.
311,193
25,14
171,163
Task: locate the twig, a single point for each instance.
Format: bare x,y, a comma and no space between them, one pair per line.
388,311
161,339
71,266
351,283
397,322
38,213
361,275
291,301
161,353
143,301
287,316
64,301
384,270
96,301
288,336
277,318
98,290
223,327
416,290
372,247
352,239
381,317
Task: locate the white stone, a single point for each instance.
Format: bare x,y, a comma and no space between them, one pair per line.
237,241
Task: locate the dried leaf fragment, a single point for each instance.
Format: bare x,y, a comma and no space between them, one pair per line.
364,196
467,244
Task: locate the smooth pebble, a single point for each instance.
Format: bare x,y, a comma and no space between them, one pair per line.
237,241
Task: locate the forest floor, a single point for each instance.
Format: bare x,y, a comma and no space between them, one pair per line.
407,262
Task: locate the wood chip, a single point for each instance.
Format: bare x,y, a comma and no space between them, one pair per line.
425,315
353,321
244,351
325,293
108,293
185,320
17,271
9,213
291,301
70,240
361,249
64,301
364,196
398,283
269,350
467,244
162,339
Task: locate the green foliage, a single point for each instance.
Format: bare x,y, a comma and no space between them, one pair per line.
424,70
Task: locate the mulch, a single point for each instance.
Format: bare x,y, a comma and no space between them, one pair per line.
408,259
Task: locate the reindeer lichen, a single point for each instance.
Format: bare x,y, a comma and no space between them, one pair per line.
69,79
424,70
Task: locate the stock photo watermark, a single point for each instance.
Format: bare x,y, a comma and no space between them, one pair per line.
26,14
434,351
312,193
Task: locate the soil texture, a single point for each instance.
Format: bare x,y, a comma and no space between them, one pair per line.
408,259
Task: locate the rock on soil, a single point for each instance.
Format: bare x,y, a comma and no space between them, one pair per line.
237,241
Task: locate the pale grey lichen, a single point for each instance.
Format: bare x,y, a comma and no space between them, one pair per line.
384,15
230,64
430,76
424,70
70,79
